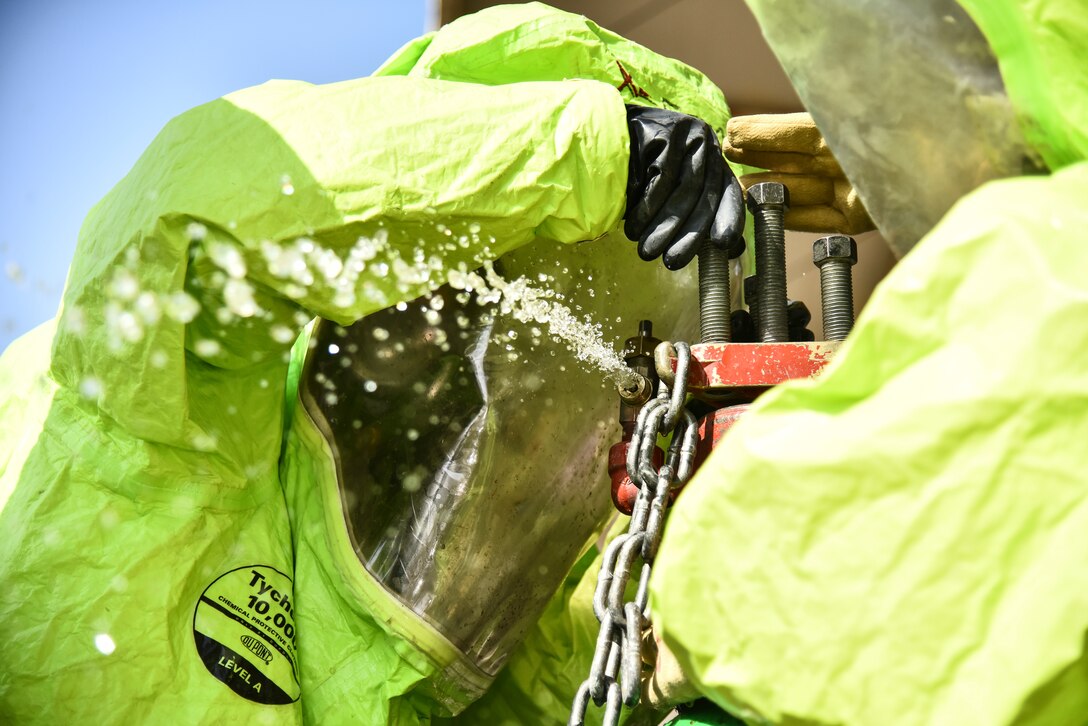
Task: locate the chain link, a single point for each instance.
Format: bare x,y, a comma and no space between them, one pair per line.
615,671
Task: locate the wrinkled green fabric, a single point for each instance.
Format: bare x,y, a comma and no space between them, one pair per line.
144,455
901,540
1040,46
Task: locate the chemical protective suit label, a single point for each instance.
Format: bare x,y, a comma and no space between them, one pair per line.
244,628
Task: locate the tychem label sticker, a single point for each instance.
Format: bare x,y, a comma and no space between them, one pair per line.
244,628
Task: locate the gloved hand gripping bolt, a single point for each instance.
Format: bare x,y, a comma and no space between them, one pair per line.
768,202
835,255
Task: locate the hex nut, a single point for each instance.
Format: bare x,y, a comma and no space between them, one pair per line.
768,194
834,247
639,345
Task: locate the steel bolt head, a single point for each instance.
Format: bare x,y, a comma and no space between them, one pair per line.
835,247
768,194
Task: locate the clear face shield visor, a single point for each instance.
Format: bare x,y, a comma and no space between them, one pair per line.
471,449
909,98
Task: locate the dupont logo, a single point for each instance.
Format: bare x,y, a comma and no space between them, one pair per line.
257,648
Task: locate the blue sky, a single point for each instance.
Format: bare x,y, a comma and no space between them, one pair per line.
85,86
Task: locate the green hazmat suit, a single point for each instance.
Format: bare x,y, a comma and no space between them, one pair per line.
902,540
174,546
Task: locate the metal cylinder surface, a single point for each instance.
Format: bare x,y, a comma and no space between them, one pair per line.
772,326
837,298
714,323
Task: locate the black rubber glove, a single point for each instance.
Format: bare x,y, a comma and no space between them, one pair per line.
680,191
797,319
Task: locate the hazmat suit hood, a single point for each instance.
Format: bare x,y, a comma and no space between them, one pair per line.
470,448
534,42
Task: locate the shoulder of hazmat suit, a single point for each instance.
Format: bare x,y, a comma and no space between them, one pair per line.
902,540
168,555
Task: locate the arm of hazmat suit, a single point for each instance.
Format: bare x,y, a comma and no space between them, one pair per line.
874,567
153,570
902,541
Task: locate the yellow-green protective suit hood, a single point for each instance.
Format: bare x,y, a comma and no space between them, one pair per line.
174,545
902,540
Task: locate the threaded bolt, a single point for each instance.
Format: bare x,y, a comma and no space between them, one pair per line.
751,296
768,203
714,323
835,255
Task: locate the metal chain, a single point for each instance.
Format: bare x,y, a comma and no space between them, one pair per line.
614,675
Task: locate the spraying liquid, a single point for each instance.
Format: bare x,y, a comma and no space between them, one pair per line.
528,304
131,310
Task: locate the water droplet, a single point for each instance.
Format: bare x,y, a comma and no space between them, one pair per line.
74,320
14,272
370,386
159,359
90,388
104,644
412,434
123,285
109,518
227,258
182,307
238,295
196,231
333,348
328,263
286,186
147,307
412,482
207,348
281,334
380,334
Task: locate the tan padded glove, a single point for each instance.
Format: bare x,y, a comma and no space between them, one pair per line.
794,152
666,686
